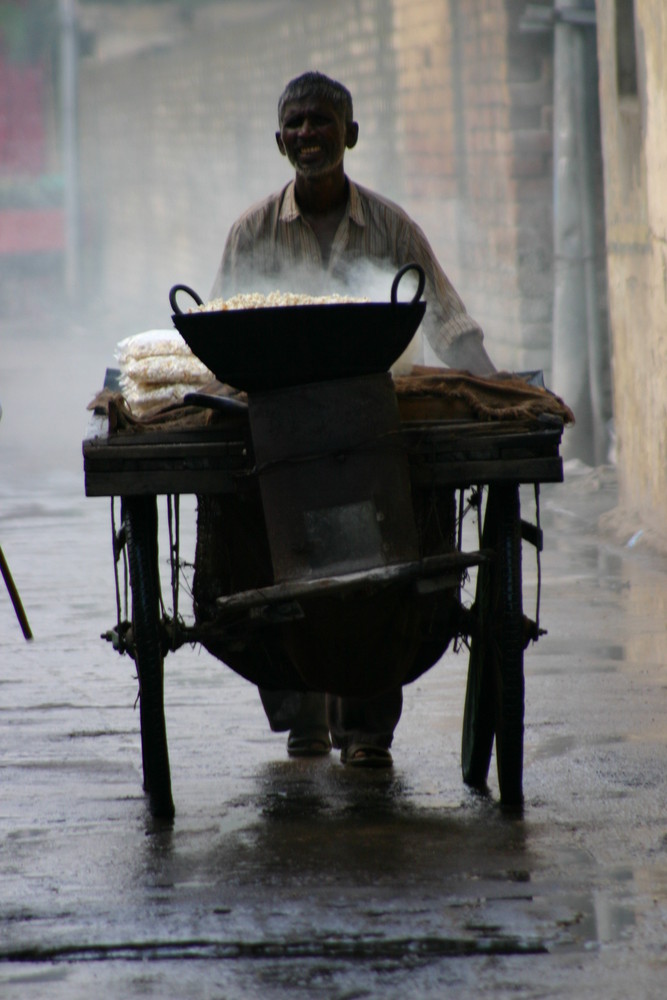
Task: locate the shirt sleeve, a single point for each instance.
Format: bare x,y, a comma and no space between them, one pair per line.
447,321
249,254
234,253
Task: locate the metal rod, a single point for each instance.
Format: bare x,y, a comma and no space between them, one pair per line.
578,362
14,594
69,85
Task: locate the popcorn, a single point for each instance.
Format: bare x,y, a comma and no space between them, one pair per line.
150,344
257,300
158,368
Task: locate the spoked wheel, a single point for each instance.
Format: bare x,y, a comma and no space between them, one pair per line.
494,704
140,522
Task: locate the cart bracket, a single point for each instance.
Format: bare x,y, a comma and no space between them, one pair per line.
532,534
531,631
172,637
118,637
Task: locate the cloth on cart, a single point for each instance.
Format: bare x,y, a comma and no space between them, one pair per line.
445,394
395,641
124,418
425,394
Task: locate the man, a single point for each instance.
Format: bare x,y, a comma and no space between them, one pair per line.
321,227
315,234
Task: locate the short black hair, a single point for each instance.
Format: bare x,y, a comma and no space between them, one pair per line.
314,84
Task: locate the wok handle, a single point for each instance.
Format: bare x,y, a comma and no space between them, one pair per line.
182,288
412,266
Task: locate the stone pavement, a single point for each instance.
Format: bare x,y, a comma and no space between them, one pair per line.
291,879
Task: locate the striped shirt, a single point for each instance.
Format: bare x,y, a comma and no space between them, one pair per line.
272,242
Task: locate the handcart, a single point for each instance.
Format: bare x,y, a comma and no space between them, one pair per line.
346,543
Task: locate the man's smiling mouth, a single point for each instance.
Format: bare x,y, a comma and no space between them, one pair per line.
309,150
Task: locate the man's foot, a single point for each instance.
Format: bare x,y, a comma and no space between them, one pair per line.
365,755
308,743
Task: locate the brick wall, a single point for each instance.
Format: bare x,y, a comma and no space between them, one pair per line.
635,156
178,141
453,105
474,106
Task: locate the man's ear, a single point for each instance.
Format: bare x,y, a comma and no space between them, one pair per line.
351,134
281,144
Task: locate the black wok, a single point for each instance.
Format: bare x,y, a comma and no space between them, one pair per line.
279,346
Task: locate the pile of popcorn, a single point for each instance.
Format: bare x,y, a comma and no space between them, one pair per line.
257,300
158,368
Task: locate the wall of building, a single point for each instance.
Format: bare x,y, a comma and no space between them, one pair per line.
474,98
635,163
454,104
178,139
31,184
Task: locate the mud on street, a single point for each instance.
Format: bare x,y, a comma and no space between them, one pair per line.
287,878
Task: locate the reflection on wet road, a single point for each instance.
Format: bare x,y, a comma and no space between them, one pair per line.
291,878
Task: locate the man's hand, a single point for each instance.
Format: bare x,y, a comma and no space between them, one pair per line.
467,353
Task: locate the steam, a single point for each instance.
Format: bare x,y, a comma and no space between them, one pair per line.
361,278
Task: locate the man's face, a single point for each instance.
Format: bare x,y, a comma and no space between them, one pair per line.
314,136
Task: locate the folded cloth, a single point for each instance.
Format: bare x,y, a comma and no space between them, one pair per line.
447,394
425,394
125,416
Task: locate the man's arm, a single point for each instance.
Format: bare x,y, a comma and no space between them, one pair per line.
226,280
249,255
454,335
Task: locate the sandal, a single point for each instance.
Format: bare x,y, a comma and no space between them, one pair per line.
365,755
308,743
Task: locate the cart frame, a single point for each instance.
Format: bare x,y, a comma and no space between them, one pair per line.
482,458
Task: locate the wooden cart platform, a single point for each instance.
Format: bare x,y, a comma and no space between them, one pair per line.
450,453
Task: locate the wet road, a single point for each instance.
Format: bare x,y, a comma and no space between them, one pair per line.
292,879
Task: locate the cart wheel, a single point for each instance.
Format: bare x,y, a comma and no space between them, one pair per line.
479,716
140,521
495,692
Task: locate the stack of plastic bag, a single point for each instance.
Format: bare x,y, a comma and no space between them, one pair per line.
158,368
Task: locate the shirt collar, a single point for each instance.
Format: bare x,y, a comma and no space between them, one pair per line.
289,210
356,207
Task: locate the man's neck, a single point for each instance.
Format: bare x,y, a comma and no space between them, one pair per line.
321,196
322,204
